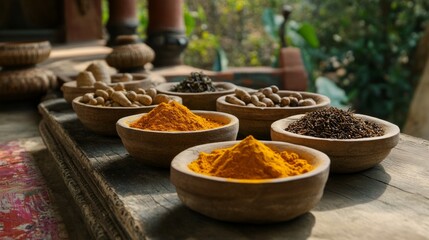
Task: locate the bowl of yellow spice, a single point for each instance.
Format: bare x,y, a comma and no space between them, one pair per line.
155,138
250,181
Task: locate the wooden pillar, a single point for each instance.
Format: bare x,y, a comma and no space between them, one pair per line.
122,19
417,123
418,116
294,74
166,31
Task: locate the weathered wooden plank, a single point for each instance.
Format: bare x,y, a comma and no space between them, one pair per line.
389,201
97,220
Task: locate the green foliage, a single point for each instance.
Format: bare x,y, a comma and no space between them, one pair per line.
143,18
380,36
202,46
238,28
104,12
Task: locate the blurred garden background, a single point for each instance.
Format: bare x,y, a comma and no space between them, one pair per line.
369,49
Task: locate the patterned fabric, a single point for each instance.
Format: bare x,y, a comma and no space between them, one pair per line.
26,211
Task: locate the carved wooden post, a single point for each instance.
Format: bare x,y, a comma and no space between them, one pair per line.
122,19
166,31
418,116
294,74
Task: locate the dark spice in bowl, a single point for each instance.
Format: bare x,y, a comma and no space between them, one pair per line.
334,123
195,82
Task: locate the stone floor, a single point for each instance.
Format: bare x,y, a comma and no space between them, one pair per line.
19,121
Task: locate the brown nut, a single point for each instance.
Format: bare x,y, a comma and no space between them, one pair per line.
101,93
85,79
100,100
293,101
86,98
110,91
151,92
251,105
141,91
255,100
268,102
296,95
267,91
101,85
131,95
93,101
145,100
234,100
285,101
120,98
161,98
119,87
274,97
307,102
274,88
100,71
242,95
260,95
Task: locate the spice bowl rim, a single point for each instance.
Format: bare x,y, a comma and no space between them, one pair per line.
325,101
179,163
347,155
160,88
125,121
76,100
278,126
70,89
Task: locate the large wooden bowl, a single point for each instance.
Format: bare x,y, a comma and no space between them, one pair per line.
102,120
257,121
257,201
71,91
199,101
158,148
14,54
347,155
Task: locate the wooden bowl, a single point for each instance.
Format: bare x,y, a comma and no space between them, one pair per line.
71,91
14,54
198,101
158,148
347,155
257,121
257,201
102,120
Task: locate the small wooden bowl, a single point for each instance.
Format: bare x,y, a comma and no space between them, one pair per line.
257,121
257,201
71,91
198,101
158,148
347,155
102,120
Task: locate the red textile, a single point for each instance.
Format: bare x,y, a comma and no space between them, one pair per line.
26,211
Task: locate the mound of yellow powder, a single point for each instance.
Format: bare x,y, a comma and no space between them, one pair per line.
250,159
173,116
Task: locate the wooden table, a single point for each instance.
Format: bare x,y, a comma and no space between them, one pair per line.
122,198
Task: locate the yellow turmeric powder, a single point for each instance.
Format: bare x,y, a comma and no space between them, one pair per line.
173,116
250,159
